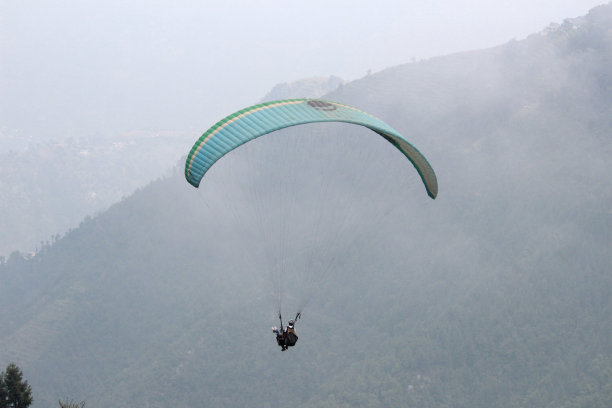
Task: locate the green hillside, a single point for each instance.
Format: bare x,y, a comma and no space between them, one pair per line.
496,294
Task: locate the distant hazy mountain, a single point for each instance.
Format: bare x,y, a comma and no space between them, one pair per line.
46,189
496,294
304,88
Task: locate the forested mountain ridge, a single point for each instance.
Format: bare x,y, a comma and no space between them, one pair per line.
495,294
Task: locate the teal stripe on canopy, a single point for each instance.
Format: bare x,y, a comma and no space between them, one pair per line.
252,122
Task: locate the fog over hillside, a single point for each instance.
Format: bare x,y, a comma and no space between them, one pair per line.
496,294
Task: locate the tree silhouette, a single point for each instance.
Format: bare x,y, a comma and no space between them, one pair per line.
14,391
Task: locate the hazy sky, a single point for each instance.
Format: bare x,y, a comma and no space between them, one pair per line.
74,67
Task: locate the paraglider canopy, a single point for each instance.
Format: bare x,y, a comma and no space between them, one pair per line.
254,121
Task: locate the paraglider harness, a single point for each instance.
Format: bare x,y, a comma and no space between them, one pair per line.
287,337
